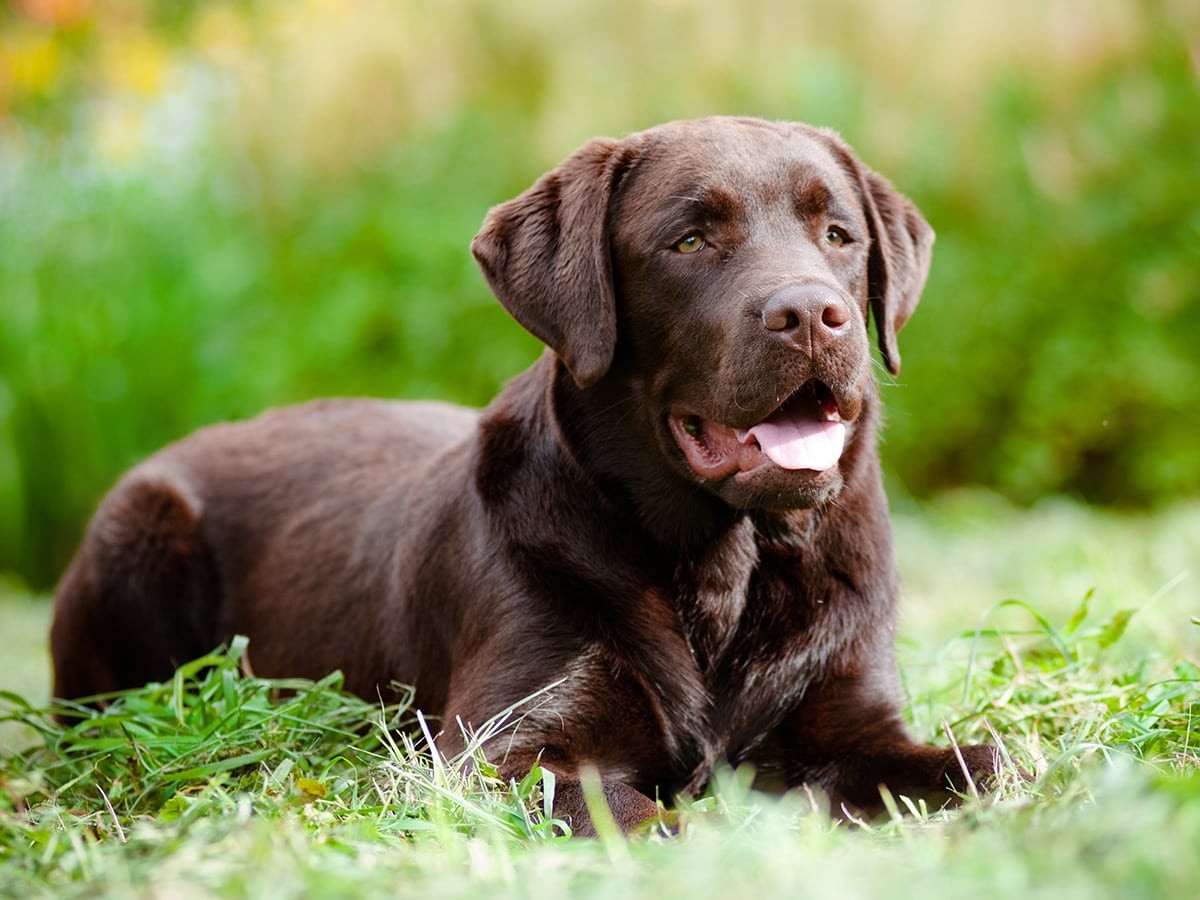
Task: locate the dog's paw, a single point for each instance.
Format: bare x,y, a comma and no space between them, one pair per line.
667,823
973,766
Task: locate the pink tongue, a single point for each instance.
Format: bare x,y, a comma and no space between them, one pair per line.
799,443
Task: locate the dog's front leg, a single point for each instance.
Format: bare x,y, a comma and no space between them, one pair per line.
630,809
847,738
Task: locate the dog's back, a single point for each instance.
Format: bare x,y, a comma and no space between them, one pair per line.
318,494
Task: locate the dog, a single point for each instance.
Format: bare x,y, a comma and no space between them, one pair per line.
675,516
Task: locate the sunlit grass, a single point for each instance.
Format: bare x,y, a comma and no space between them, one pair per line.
296,219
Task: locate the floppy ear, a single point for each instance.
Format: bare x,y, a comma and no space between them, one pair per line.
545,255
901,249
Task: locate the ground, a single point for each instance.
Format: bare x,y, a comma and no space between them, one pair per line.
1067,635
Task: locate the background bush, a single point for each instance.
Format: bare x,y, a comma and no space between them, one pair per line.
207,209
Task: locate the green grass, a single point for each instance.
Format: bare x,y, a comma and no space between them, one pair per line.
1068,635
310,237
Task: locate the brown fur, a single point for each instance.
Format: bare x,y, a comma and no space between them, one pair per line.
561,534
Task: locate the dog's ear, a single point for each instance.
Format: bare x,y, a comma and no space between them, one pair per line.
545,255
901,250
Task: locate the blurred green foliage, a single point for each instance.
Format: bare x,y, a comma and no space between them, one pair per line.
244,204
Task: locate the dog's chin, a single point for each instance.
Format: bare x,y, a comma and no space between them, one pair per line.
779,490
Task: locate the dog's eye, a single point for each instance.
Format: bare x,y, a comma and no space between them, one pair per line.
836,236
691,243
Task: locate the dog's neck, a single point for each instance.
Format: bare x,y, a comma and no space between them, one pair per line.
610,430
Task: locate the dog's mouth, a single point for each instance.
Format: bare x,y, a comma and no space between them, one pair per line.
804,433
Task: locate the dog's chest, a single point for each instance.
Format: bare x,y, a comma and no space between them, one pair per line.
755,617
696,668
710,592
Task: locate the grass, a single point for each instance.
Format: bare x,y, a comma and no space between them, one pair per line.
291,213
1067,634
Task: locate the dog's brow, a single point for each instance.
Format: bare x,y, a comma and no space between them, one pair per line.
714,201
721,203
813,196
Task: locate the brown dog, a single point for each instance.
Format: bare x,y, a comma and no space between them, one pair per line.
677,513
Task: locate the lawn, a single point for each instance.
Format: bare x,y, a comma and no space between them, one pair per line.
1070,634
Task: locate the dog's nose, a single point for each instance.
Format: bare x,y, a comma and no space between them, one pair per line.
806,314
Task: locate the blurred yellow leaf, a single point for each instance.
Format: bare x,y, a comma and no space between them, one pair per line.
32,63
314,789
136,63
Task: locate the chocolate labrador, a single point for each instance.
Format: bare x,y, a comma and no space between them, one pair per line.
675,516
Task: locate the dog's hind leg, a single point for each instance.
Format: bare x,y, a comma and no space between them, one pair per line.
141,595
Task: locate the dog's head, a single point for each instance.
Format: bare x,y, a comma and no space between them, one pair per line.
725,269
